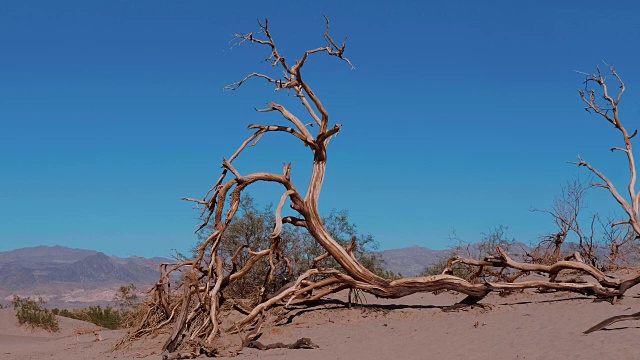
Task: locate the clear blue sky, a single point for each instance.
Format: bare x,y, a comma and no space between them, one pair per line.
460,114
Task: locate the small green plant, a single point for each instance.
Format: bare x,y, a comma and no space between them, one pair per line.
130,309
126,297
33,314
63,312
107,317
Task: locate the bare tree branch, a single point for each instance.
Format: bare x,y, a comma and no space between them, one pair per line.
588,97
197,325
612,189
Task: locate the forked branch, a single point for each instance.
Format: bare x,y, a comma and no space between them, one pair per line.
606,105
195,313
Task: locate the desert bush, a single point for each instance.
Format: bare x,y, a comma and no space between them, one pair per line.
61,312
126,297
105,317
33,314
604,243
620,245
477,251
108,317
130,309
252,229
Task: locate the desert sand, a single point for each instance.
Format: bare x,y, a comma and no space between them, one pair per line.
524,325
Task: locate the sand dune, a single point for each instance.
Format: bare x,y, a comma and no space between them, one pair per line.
525,325
18,342
521,326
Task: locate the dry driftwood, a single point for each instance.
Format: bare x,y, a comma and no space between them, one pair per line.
612,320
195,315
302,343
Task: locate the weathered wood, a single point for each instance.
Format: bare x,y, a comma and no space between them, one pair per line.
197,326
302,343
173,340
612,320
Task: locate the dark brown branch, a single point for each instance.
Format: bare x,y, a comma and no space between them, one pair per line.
294,221
302,343
326,135
612,320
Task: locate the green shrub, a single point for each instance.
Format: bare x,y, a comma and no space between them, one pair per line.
108,317
252,228
126,297
34,314
65,313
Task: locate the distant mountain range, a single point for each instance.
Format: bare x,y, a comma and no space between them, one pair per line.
28,267
44,265
412,261
75,277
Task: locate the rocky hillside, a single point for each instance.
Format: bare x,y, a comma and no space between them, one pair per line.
28,267
67,275
410,261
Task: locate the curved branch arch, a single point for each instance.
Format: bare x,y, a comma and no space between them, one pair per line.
198,322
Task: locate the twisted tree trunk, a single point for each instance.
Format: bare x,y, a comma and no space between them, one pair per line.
198,307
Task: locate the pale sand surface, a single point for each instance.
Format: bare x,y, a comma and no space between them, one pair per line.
520,326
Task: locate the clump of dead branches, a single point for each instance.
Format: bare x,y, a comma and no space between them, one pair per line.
197,313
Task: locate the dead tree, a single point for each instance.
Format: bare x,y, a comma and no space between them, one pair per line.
621,244
565,213
600,101
606,105
566,210
622,234
193,312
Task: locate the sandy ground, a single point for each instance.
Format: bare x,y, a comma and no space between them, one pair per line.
525,325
